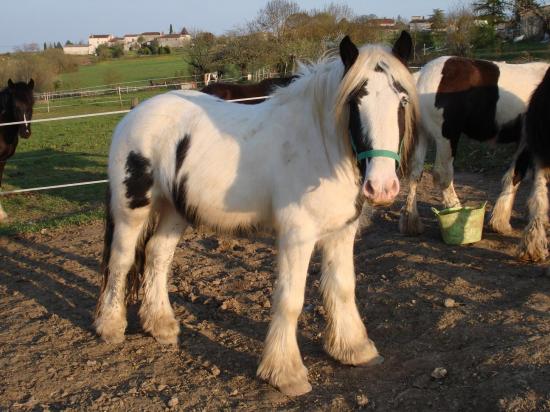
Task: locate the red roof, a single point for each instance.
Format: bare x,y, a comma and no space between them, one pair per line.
131,35
99,36
151,33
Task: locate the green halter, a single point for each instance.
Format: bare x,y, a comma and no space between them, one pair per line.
374,153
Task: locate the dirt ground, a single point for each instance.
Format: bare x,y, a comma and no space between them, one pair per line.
494,343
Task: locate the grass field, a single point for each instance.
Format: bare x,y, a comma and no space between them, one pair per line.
126,69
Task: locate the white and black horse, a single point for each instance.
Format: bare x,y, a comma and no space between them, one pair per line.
533,153
482,100
16,104
300,163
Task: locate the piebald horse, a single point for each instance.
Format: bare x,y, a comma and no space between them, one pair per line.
301,163
479,99
16,105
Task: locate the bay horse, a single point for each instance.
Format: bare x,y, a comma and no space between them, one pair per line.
16,105
301,163
533,153
482,100
230,91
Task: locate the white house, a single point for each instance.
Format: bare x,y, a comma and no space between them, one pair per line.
130,40
150,35
420,23
95,40
76,49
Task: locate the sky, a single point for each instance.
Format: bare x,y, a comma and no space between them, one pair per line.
39,21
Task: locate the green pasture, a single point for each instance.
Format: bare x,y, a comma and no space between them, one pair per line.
127,69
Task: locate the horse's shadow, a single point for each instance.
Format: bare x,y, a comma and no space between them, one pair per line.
46,167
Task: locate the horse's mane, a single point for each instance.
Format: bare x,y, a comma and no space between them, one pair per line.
324,82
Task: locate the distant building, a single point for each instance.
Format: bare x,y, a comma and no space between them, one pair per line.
95,40
150,35
420,23
130,41
175,40
77,49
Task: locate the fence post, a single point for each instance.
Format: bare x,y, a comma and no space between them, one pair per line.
120,96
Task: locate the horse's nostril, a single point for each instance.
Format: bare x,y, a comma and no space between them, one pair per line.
369,189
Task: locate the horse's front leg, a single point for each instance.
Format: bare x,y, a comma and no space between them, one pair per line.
281,363
346,337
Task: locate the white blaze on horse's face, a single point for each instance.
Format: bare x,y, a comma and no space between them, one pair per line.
381,126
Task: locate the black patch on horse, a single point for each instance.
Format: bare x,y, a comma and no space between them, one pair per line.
179,198
537,123
181,152
468,94
139,180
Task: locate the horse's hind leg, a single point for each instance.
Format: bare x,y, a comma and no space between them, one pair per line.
500,217
346,337
534,244
123,229
157,316
409,221
281,363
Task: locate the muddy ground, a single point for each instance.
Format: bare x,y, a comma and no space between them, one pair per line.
494,344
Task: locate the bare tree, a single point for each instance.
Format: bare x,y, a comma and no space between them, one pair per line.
461,23
340,11
272,18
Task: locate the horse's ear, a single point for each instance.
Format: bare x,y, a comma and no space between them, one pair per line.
11,85
402,48
348,52
31,83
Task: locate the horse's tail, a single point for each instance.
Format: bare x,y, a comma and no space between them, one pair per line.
135,275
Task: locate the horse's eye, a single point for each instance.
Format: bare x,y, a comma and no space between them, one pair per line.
404,101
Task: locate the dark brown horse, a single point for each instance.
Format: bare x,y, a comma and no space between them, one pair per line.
16,103
230,91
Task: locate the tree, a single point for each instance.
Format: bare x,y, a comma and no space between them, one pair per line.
461,31
493,10
45,46
68,43
171,29
438,20
272,18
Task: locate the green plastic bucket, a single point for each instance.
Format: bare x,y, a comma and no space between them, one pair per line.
461,225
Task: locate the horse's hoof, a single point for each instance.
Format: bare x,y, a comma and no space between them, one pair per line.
378,360
532,254
500,226
165,330
410,224
111,332
295,388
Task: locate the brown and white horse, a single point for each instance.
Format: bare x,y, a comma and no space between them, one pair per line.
16,103
479,99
